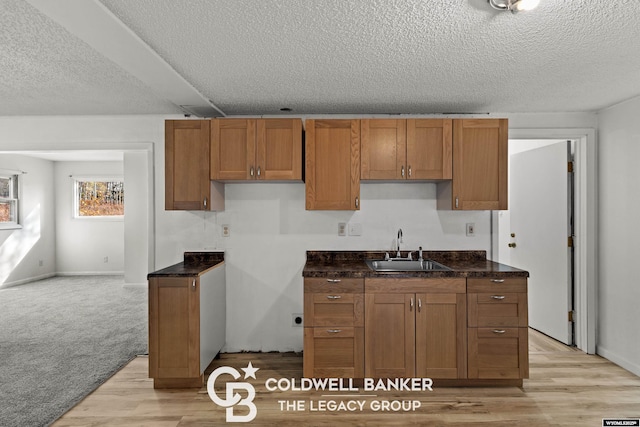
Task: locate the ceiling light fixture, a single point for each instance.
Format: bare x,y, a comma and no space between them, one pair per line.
514,6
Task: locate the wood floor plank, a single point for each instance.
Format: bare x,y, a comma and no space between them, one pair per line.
566,388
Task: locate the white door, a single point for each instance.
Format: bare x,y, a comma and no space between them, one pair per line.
540,205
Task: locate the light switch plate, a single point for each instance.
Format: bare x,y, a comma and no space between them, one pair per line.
471,229
355,229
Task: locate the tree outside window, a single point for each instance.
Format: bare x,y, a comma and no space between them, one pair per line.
96,198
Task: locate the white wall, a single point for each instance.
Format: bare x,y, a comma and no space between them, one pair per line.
619,293
82,244
22,250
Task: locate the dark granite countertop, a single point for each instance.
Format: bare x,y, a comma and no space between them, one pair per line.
194,264
352,264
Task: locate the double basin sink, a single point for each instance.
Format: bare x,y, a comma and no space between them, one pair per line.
401,264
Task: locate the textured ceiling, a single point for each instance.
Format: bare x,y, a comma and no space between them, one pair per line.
334,56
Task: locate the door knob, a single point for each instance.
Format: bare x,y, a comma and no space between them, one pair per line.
512,245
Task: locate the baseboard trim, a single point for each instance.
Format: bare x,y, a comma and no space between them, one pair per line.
90,273
27,280
618,360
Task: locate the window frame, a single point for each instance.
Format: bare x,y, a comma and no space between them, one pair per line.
75,194
14,197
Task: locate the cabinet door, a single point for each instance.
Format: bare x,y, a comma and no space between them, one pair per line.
384,149
389,335
332,164
336,352
187,185
233,149
480,164
279,149
498,353
174,327
429,149
441,336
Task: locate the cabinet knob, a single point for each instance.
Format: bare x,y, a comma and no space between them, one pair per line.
251,171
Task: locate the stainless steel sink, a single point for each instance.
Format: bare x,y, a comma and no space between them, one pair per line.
405,265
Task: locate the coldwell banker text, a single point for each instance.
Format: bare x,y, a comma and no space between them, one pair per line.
347,385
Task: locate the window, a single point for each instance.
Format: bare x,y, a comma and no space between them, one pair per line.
98,198
8,201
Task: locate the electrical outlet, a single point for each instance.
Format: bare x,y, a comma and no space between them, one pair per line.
226,230
297,320
471,229
342,229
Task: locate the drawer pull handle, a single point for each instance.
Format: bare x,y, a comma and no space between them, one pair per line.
497,280
499,331
334,331
333,280
334,296
419,304
411,304
500,297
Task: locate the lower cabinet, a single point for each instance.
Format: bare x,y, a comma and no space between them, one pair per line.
333,328
457,329
498,328
415,328
187,322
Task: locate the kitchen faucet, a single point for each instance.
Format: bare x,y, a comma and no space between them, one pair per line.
398,242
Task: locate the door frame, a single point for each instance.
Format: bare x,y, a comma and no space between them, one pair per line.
585,226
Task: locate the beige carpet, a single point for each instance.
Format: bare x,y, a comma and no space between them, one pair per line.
60,338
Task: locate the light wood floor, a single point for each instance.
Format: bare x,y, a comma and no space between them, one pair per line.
566,388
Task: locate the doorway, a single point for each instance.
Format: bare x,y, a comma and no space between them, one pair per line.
536,233
585,226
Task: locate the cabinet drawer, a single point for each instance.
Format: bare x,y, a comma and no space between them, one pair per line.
333,309
333,352
496,284
326,284
500,309
498,353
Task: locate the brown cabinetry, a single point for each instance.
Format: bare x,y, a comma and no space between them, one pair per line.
413,149
332,175
187,184
480,155
256,149
498,328
333,328
415,328
183,339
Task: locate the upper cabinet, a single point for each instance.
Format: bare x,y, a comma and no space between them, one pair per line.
413,149
187,184
480,155
332,172
256,149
